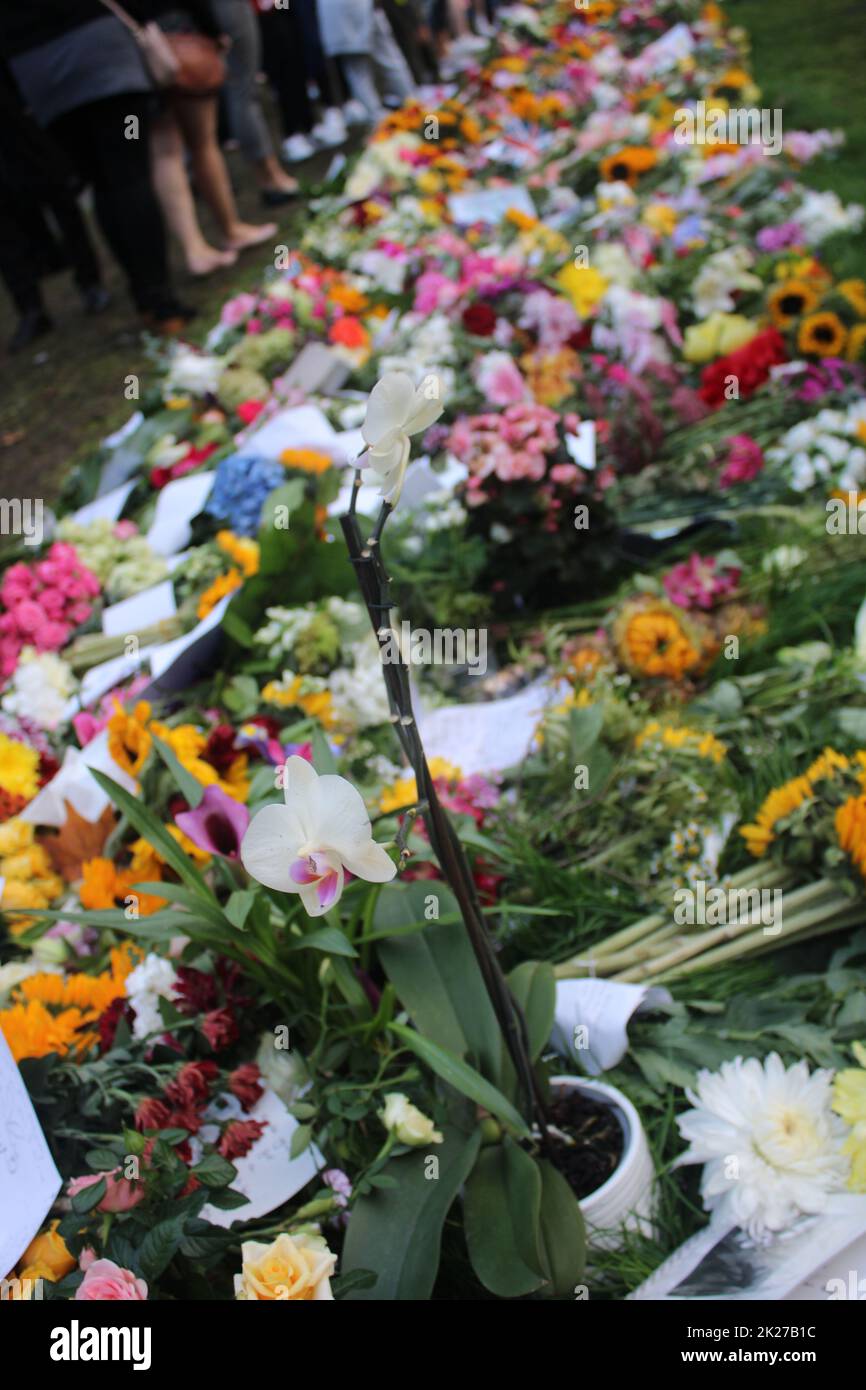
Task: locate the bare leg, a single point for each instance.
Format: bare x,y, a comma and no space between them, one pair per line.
175,196
197,117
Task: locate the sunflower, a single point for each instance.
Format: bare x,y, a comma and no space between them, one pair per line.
856,343
855,293
850,824
627,164
790,300
823,334
780,803
128,739
655,644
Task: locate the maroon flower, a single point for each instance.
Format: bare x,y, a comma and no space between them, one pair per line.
220,749
152,1114
108,1021
191,1086
238,1137
479,319
220,1028
244,1083
195,990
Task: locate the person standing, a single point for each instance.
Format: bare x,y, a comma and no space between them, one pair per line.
246,119
358,34
187,125
81,74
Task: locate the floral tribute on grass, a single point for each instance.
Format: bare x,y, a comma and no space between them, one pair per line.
278,898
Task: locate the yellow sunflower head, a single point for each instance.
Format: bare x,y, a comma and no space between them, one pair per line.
823,335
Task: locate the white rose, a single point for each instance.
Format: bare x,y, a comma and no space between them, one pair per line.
407,1122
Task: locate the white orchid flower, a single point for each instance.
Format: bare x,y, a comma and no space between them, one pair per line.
396,409
307,845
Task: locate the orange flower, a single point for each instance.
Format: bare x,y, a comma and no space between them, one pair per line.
822,334
349,332
223,584
628,164
128,738
350,299
306,460
654,642
851,830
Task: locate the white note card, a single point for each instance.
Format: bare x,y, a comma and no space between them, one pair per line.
267,1175
140,610
29,1180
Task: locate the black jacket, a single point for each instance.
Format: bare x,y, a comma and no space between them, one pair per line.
25,24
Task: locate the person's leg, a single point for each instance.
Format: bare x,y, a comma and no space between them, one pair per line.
390,65
283,61
246,117
108,142
19,270
175,195
196,117
358,72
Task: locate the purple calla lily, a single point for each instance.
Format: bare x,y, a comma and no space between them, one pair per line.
218,824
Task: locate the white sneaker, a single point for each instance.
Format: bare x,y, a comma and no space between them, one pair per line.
355,113
297,148
331,130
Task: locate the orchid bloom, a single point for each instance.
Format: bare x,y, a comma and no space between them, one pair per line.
396,409
218,823
307,845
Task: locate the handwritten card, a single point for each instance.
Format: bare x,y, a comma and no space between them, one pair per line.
267,1175
29,1181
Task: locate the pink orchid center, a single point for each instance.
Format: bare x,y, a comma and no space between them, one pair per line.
315,868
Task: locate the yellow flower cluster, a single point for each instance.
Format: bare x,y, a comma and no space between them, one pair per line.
30,881
299,692
404,792
188,743
782,801
55,1013
19,768
683,739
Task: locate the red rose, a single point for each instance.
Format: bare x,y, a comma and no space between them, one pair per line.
220,1028
244,1083
479,319
238,1137
152,1114
750,364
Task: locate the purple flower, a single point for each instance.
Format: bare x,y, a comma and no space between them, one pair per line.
780,237
218,824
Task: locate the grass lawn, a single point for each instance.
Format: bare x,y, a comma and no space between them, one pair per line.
810,61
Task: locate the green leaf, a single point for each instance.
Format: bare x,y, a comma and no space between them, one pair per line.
300,1140
159,1247
238,906
323,759
343,1284
153,830
584,726
102,1160
397,1232
328,939
462,1077
501,1216
215,1171
193,902
89,1198
533,984
436,975
563,1233
190,788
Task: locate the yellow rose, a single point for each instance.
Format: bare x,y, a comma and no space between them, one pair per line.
407,1122
296,1268
716,336
48,1251
583,285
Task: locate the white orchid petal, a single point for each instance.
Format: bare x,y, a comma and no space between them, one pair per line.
384,461
270,847
372,863
342,823
426,409
310,900
388,406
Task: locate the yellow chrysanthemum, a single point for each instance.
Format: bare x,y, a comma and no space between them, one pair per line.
19,768
128,738
224,584
316,703
657,645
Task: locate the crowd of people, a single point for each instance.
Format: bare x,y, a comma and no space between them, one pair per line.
136,102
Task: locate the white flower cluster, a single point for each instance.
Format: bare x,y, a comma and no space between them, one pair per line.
357,689
823,214
829,448
152,980
720,276
40,688
425,348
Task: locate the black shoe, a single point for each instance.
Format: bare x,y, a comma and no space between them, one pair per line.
33,324
95,298
276,197
168,317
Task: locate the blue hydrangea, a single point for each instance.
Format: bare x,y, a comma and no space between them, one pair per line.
242,484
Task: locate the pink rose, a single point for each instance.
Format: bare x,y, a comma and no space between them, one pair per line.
28,616
106,1282
498,378
121,1194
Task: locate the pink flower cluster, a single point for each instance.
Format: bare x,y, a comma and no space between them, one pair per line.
744,462
43,603
698,583
512,446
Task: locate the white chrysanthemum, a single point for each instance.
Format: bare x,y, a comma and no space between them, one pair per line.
152,980
769,1141
40,689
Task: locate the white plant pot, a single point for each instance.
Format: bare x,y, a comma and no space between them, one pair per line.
625,1201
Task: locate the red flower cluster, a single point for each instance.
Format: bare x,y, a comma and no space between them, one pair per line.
215,996
479,319
750,365
186,1097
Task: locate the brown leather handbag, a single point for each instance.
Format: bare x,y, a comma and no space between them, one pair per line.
189,64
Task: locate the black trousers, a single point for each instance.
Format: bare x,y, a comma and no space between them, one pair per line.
95,138
285,63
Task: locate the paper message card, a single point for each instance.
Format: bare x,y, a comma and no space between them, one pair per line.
29,1181
267,1175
